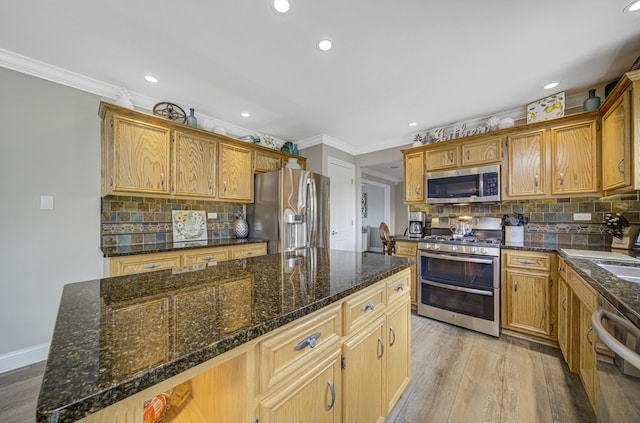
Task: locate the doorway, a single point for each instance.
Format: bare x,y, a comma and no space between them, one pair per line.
376,199
342,209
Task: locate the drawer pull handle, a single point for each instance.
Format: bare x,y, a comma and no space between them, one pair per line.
392,332
381,348
370,305
333,395
248,253
515,286
151,266
400,287
522,261
407,250
309,341
207,258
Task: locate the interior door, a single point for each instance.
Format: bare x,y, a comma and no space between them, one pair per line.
342,209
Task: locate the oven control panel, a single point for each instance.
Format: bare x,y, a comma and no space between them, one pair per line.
459,249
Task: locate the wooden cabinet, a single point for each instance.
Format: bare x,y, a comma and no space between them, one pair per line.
248,250
528,293
574,153
439,158
236,173
525,174
142,263
206,255
195,167
398,352
409,249
414,178
264,162
564,295
481,152
587,353
617,163
137,156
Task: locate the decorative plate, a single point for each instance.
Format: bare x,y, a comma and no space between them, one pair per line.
189,225
170,111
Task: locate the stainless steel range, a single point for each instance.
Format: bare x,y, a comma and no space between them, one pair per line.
459,273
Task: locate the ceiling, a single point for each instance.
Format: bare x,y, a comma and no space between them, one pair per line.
429,62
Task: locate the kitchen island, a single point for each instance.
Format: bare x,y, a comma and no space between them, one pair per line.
120,341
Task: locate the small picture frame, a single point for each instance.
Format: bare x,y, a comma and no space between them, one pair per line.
189,225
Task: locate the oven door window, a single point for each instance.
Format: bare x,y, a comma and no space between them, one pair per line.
454,187
470,304
468,272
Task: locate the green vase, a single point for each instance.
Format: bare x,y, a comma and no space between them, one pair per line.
593,102
191,119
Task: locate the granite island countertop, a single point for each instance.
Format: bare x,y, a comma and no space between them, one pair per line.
95,360
129,250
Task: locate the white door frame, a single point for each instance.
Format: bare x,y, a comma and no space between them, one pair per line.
352,236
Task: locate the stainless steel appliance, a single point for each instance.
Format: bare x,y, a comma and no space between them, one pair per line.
618,371
417,222
290,210
459,277
471,185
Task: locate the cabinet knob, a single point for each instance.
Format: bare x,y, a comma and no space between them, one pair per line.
515,286
561,178
162,179
536,181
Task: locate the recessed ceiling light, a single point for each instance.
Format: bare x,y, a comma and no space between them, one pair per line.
325,45
151,79
551,85
413,124
633,7
281,6
245,114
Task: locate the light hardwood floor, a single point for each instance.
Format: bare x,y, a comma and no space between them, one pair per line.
456,376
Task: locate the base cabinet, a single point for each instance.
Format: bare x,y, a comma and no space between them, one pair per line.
398,352
409,249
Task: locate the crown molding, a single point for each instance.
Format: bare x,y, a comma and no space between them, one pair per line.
325,139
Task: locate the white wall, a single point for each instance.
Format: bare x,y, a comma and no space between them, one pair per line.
375,205
49,145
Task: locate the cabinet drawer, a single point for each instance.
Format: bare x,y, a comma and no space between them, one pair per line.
206,256
398,287
141,264
406,249
585,293
528,260
295,346
251,250
363,306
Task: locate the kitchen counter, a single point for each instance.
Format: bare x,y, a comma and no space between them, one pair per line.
92,361
128,250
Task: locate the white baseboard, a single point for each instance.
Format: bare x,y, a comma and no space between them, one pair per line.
20,358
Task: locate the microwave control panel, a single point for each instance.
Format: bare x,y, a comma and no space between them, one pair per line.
490,184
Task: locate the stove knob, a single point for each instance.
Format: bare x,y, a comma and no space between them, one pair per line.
454,248
436,246
474,250
484,250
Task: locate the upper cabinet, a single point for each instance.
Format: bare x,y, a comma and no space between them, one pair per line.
525,175
145,155
481,152
621,135
414,178
441,157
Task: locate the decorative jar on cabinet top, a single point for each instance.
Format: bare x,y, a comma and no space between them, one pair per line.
593,102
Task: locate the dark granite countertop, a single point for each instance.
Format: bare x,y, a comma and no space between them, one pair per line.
206,310
129,250
624,295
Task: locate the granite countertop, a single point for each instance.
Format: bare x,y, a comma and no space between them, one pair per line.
95,356
128,250
624,295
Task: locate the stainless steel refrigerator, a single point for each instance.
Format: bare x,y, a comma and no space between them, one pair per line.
290,210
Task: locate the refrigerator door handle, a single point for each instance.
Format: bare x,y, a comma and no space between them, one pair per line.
312,221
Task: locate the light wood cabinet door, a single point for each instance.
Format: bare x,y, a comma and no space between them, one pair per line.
441,158
314,396
525,176
481,152
194,166
574,156
563,317
235,301
139,336
363,390
616,145
265,162
141,153
527,303
235,180
206,255
414,178
398,352
587,353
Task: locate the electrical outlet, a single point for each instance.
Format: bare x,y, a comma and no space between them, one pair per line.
582,216
212,215
46,202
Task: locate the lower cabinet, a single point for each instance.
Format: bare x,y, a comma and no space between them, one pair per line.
587,353
409,249
398,352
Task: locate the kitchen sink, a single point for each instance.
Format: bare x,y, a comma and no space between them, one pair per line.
628,273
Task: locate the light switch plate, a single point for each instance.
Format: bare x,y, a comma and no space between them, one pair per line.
582,216
46,202
212,215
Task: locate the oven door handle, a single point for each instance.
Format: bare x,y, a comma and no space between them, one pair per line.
458,288
456,258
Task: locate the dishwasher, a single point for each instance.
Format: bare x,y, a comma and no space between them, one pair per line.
618,365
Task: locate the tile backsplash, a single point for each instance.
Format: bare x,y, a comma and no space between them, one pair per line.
551,220
141,220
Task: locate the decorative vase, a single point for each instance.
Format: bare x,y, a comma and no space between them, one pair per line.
293,163
241,227
191,119
593,102
295,150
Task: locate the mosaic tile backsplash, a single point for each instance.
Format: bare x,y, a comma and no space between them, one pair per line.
140,220
551,220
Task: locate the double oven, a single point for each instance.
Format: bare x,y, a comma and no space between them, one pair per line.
459,282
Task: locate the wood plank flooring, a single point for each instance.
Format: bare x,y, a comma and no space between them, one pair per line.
456,376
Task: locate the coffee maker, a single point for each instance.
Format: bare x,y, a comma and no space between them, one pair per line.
417,221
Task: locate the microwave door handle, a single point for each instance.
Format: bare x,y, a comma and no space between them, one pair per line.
455,258
458,288
610,341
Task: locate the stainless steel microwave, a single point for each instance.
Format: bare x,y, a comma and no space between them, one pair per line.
472,185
